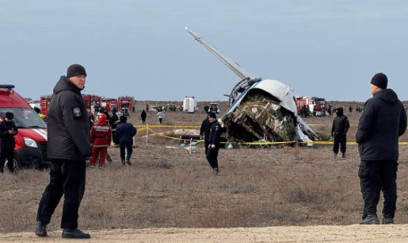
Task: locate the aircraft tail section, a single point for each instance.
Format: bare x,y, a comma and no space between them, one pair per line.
240,72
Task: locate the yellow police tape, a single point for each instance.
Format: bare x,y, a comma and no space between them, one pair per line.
310,143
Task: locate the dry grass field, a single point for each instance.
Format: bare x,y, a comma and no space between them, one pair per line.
172,187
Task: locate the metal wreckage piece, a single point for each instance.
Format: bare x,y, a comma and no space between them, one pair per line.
260,109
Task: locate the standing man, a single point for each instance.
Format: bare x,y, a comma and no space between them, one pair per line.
101,136
161,116
143,116
7,132
205,132
125,133
384,119
339,131
113,122
68,147
213,142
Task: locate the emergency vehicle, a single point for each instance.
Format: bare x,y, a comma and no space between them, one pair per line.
126,104
92,102
189,104
44,103
109,103
314,105
31,140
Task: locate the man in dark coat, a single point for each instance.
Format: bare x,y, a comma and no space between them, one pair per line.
68,148
213,142
113,122
339,132
384,120
125,133
205,132
7,132
143,116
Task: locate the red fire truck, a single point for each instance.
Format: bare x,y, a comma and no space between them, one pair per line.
92,102
109,103
44,103
126,104
313,105
31,140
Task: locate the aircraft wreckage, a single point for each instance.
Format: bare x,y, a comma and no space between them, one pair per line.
260,109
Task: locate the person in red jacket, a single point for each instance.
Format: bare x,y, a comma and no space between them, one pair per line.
100,139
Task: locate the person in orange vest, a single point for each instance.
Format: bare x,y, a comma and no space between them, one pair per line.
100,139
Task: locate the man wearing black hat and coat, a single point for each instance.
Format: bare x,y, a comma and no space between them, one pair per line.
7,132
205,132
68,148
383,121
213,142
339,132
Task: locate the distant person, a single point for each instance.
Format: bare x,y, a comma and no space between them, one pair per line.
384,120
161,116
143,116
213,142
113,122
7,132
205,132
100,139
68,148
125,133
91,118
339,131
147,107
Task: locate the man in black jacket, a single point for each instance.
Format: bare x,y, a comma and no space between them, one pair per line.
339,132
213,142
384,120
68,148
7,132
205,132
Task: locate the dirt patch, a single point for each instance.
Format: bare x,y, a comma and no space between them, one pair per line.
350,233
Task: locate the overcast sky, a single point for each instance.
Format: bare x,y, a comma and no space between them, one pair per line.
322,48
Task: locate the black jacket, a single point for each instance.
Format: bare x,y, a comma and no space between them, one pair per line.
125,133
341,124
68,123
384,119
7,139
205,129
215,134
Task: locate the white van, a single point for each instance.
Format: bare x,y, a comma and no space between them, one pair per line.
189,104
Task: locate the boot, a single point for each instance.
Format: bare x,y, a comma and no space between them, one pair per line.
343,155
388,221
371,219
75,234
40,229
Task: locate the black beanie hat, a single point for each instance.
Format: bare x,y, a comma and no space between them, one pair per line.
212,114
9,115
75,70
380,80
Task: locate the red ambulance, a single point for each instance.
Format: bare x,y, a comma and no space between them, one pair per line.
31,140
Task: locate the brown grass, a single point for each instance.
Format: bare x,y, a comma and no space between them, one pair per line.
168,186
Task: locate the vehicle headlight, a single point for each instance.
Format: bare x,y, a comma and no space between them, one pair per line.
30,143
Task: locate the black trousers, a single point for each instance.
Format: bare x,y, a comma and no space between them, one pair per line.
67,178
212,155
339,139
376,176
9,155
206,143
126,148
